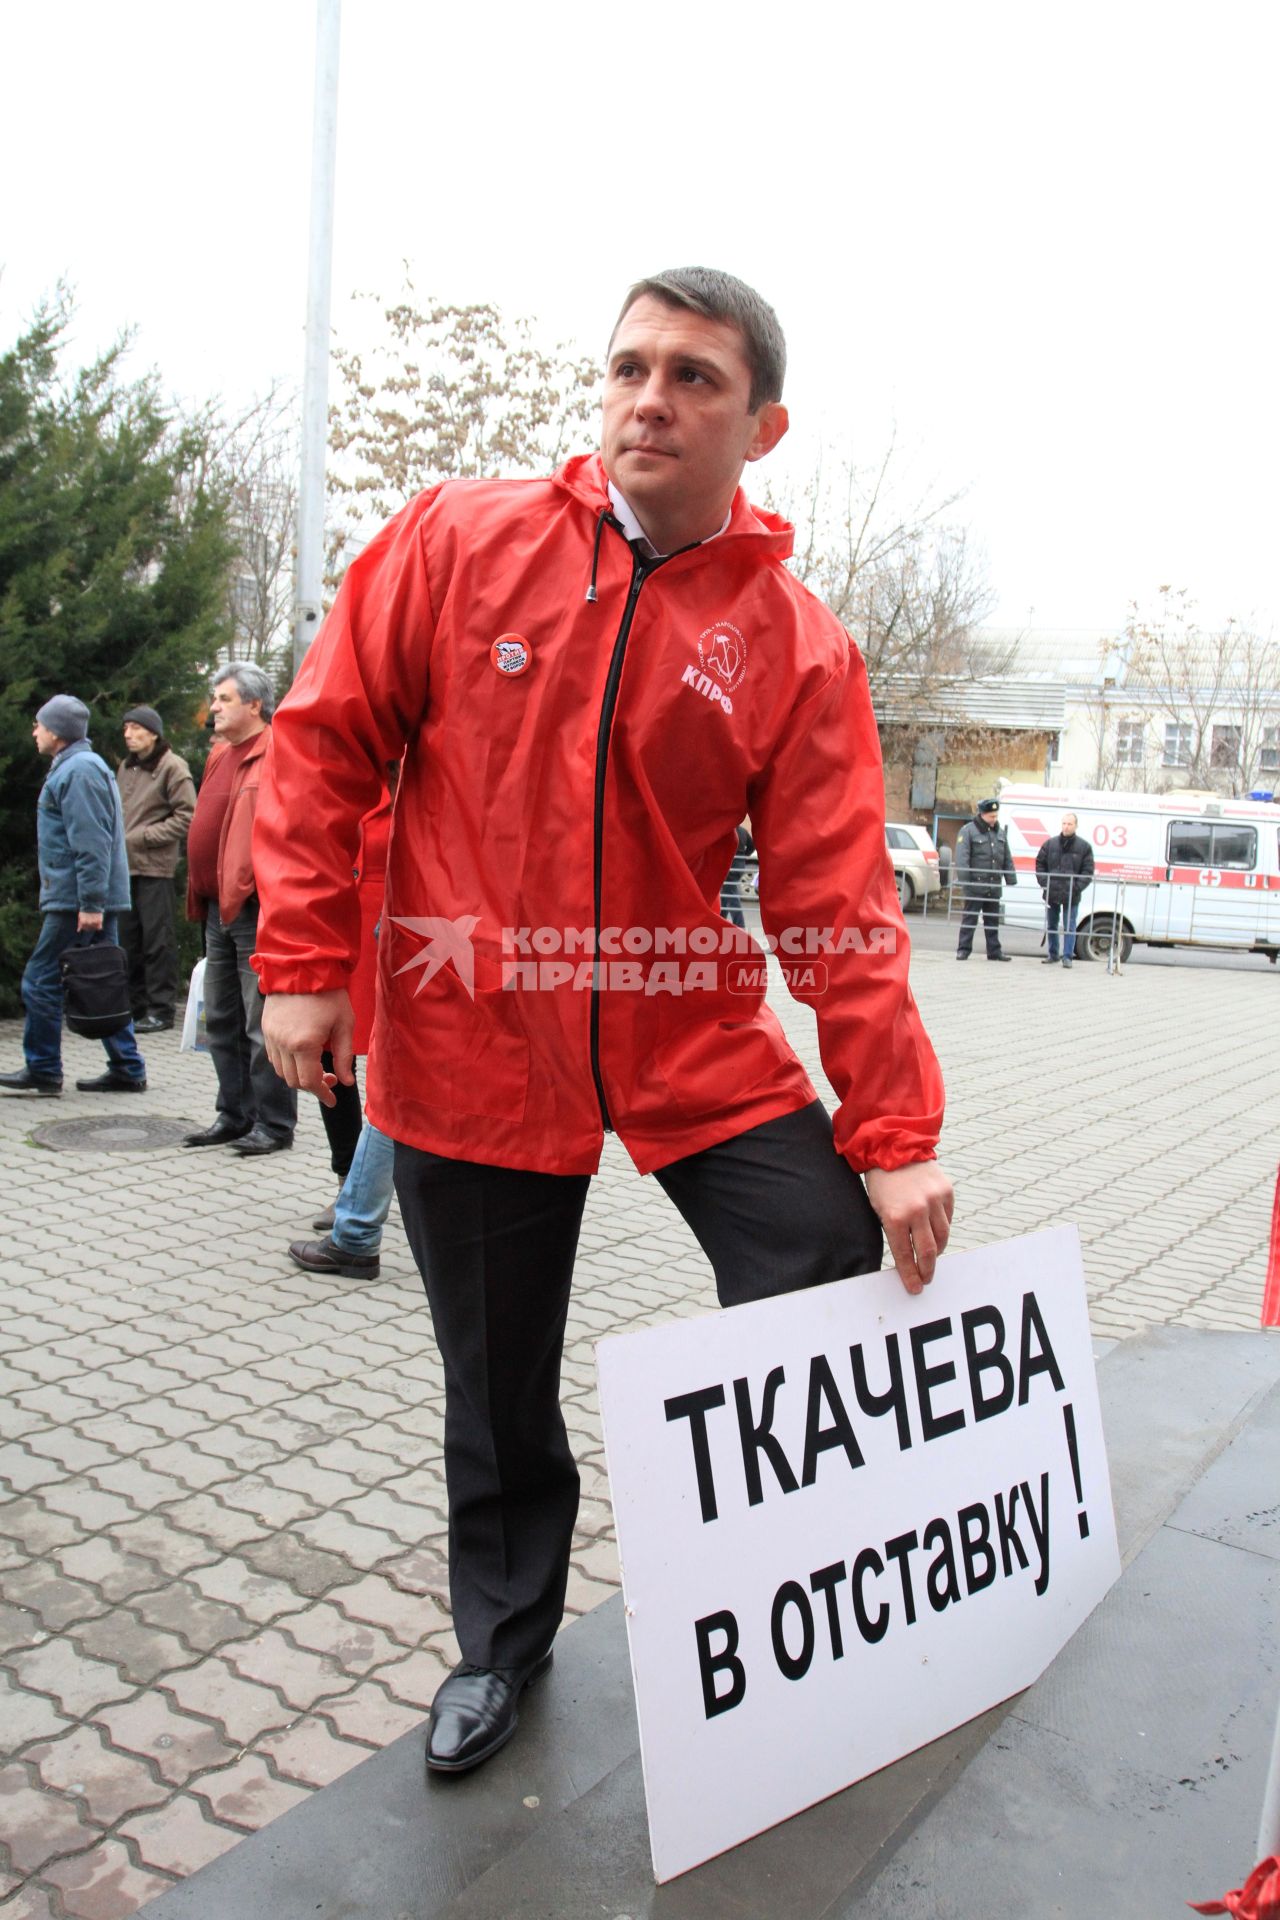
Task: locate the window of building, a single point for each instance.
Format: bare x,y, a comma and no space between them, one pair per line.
1225,750
1130,742
1199,843
1269,757
1177,745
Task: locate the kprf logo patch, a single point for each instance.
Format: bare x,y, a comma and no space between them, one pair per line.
511,654
723,654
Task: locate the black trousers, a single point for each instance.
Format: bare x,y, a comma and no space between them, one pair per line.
149,937
774,1210
249,1087
988,905
342,1122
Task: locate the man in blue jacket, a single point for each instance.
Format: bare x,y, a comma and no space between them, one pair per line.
84,884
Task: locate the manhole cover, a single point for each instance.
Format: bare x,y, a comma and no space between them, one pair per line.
127,1133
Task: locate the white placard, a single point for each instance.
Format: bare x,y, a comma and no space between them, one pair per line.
849,1520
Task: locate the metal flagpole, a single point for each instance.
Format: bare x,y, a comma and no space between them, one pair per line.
309,572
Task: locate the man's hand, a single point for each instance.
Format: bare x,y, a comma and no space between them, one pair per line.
298,1028
88,923
915,1206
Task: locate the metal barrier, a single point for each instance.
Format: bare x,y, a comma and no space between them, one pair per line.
1117,912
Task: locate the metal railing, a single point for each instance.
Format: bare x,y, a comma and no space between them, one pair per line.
1118,911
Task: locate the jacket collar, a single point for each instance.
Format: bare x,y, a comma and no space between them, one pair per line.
72,747
148,761
256,744
585,478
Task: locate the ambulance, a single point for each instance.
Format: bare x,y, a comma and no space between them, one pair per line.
1187,869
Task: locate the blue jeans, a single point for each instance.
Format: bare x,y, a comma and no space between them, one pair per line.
1068,912
42,998
361,1209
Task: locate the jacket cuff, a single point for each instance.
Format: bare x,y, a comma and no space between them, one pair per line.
871,1156
285,976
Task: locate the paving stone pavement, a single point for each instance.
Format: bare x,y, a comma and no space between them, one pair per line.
222,1540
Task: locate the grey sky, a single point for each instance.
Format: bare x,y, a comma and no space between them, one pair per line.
1040,239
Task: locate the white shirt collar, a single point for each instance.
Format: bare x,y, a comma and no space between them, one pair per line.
636,534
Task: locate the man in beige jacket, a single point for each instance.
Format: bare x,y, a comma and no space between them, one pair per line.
158,797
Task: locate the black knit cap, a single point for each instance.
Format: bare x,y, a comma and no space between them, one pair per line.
146,717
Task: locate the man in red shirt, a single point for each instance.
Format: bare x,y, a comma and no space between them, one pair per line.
255,1110
593,680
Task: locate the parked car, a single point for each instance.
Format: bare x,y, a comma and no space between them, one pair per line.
915,861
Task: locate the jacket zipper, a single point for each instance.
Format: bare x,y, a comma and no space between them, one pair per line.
640,571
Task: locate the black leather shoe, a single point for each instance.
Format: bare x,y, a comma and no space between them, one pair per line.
1001,956
220,1134
323,1256
110,1082
24,1081
154,1023
258,1140
476,1711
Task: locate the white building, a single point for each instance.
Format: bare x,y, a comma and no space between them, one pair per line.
1204,714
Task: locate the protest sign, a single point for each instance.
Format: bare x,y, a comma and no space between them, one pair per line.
849,1520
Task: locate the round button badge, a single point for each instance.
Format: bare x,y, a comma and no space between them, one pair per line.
510,654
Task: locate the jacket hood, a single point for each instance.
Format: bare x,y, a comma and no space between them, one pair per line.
585,478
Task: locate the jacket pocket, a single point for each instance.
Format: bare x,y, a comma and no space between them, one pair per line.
468,1055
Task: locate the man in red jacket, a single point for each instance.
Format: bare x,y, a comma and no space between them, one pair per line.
593,679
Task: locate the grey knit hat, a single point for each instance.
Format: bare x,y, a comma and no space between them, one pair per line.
146,717
66,716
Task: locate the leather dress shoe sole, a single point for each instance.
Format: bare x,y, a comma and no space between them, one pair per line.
112,1083
491,1700
214,1136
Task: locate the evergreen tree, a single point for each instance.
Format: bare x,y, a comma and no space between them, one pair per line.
114,552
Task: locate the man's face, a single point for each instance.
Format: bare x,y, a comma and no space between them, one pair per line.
46,742
677,430
991,815
1068,824
139,740
234,719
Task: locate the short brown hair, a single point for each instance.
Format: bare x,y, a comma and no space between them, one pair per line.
719,296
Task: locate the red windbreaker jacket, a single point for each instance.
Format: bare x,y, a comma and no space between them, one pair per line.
583,732
236,881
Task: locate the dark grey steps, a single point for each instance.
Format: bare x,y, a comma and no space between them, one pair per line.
1054,1806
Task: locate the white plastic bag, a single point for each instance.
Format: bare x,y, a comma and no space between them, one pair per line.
195,1034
